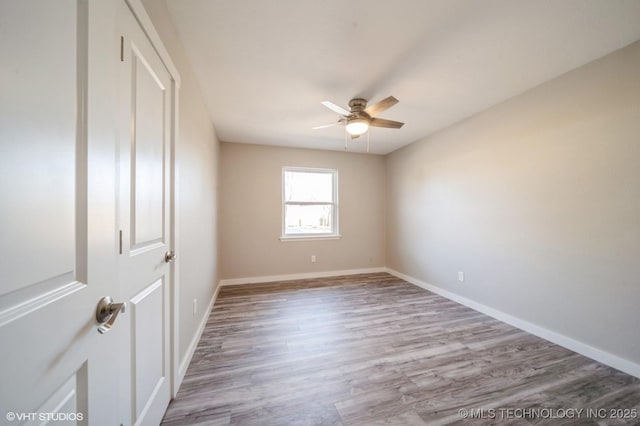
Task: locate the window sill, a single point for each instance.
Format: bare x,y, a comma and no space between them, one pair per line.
290,238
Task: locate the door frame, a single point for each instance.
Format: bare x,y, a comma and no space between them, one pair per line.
141,15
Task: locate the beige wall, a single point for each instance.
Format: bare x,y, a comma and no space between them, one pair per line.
251,212
537,200
197,162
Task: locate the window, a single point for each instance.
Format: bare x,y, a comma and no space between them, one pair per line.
309,203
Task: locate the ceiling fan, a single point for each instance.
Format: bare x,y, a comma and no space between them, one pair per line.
360,116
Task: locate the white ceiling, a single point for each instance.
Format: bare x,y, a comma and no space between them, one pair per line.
265,66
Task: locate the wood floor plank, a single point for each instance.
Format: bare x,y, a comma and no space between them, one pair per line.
372,349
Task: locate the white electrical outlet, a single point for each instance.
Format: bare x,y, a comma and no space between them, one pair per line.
313,258
195,306
461,276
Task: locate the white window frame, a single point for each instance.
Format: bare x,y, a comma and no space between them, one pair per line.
334,234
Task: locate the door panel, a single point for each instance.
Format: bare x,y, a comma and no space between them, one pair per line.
148,93
147,317
38,134
145,104
57,174
64,407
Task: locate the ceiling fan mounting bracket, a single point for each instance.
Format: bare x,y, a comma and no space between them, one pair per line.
357,104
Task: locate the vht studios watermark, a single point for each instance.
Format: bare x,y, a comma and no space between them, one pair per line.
44,417
548,413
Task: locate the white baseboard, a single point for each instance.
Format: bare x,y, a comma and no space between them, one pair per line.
303,276
596,354
184,364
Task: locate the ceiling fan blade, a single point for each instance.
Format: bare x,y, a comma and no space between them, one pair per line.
384,104
355,136
328,125
335,108
381,122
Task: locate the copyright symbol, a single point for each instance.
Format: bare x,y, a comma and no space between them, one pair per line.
11,416
463,413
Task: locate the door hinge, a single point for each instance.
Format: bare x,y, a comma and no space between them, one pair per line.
120,242
121,48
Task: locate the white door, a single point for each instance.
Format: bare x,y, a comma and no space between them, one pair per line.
57,213
144,175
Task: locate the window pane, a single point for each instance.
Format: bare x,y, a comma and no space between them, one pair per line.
308,186
315,219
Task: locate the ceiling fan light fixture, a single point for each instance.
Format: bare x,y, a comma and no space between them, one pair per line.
357,126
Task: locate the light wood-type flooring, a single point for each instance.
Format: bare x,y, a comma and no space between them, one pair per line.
376,350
